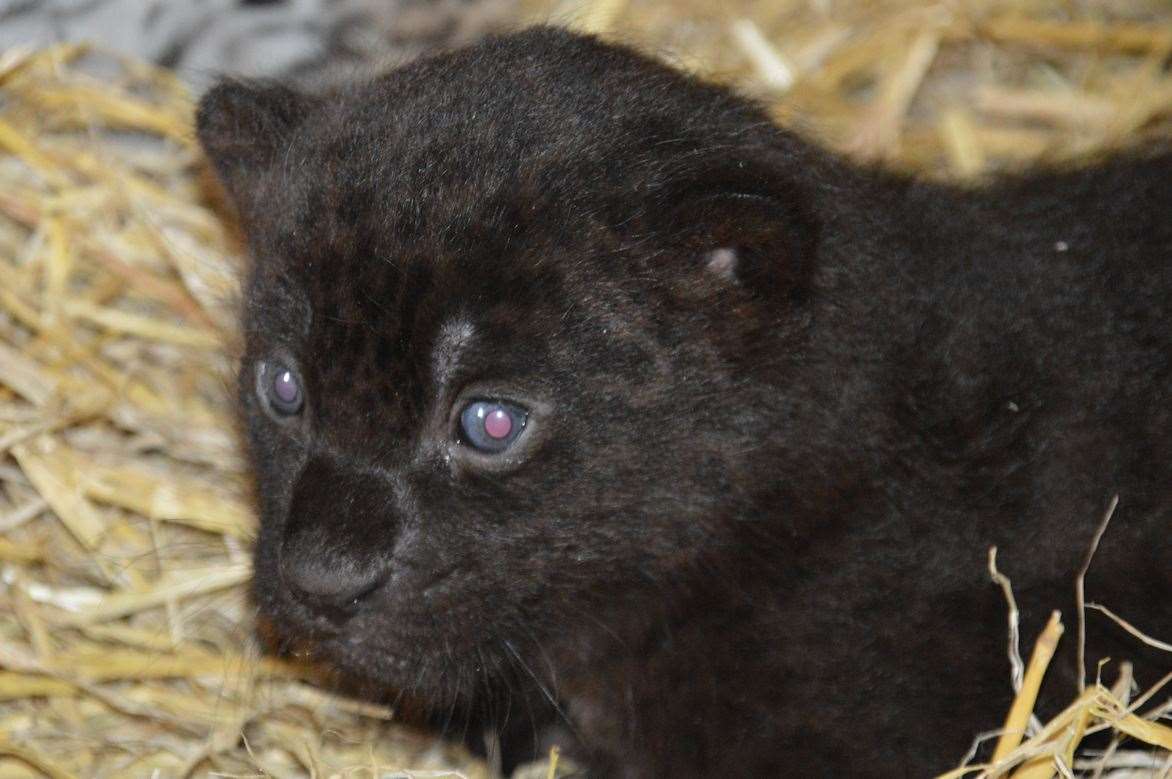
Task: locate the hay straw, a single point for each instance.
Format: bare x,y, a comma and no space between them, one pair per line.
1079,34
1080,597
125,647
1130,628
772,68
1023,703
1052,748
58,486
952,90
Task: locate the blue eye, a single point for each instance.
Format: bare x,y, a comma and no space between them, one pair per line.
282,387
492,426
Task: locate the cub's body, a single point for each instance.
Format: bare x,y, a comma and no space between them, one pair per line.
776,409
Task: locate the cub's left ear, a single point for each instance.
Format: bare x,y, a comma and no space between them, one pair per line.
742,221
244,127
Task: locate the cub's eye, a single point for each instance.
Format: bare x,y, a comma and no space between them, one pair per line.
492,426
281,387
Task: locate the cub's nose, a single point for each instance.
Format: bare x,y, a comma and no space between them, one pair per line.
338,536
326,584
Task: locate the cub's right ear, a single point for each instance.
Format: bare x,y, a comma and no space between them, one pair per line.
244,127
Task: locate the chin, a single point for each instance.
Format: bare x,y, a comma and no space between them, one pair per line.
377,662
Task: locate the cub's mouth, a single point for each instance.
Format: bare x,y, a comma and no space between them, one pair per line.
340,653
400,634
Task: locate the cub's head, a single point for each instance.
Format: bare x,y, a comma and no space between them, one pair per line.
503,321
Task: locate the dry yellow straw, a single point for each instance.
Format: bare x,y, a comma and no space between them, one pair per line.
126,645
1023,705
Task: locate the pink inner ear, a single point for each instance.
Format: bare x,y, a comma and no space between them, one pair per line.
722,262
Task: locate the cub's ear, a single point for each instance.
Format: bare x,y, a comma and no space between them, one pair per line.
742,220
244,127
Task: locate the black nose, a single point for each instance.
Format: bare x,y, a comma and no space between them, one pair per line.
326,584
338,534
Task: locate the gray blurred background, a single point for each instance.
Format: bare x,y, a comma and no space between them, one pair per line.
311,41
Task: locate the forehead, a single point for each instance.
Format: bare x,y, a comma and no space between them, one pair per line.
445,215
562,119
385,319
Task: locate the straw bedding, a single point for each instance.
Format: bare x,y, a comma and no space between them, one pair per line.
125,521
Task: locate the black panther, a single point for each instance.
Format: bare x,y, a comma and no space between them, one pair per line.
584,399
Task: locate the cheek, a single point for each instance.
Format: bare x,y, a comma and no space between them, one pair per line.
275,461
266,586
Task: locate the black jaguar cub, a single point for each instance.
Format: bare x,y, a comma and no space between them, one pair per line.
585,400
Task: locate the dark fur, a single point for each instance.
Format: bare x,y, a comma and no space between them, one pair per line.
750,535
